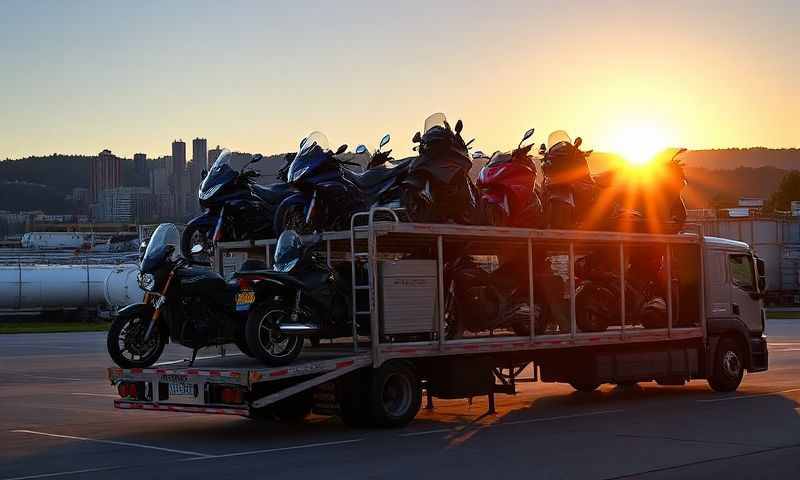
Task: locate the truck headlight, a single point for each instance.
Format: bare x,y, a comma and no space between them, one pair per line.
147,281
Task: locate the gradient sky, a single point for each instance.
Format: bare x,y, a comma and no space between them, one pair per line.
80,76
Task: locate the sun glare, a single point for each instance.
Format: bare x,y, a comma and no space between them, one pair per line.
638,145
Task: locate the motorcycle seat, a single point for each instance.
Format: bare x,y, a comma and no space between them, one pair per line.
273,193
376,176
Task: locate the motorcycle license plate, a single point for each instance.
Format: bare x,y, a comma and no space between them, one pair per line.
245,297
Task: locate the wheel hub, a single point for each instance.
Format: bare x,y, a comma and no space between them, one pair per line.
731,364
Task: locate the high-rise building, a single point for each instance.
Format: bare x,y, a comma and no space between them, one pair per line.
105,171
160,186
213,154
140,163
199,161
177,172
126,205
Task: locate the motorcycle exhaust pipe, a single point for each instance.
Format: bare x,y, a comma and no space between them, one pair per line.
298,328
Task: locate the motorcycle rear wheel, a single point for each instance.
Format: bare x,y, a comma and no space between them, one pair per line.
265,341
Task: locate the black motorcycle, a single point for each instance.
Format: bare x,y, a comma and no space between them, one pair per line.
598,292
479,300
236,207
190,305
438,188
380,183
569,190
302,296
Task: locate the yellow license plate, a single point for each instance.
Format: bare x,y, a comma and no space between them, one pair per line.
246,297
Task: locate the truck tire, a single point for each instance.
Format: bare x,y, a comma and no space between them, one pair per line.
584,387
267,343
728,367
395,395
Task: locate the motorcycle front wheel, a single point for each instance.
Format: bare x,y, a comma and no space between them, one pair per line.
126,344
265,341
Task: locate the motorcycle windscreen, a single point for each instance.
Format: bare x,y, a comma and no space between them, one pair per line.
220,175
288,251
312,153
163,244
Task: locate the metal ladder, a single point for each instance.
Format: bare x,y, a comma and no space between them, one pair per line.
363,258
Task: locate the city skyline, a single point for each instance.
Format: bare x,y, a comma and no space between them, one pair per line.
701,76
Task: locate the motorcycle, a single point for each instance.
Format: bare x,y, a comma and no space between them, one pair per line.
236,208
323,195
380,183
438,188
598,293
192,306
569,190
645,201
508,188
328,193
302,296
479,300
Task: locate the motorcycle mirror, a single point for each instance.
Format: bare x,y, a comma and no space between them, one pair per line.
256,158
361,149
578,142
197,248
459,126
527,135
341,150
542,149
204,174
417,138
469,143
385,140
478,154
415,148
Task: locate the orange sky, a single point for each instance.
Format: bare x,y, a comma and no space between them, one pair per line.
254,77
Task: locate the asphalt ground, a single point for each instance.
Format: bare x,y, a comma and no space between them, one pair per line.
57,421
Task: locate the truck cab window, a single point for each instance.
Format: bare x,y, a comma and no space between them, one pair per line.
742,274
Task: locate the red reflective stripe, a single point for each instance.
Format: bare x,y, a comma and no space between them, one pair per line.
136,370
214,373
235,374
346,363
279,373
192,372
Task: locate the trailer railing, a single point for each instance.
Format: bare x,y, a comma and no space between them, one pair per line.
375,236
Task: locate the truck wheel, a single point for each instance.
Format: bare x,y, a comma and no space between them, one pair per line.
584,387
264,339
395,395
728,368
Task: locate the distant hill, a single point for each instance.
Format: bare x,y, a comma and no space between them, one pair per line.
714,175
731,158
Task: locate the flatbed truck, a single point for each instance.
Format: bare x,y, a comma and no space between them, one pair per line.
714,327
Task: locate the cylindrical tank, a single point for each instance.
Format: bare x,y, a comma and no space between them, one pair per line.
53,286
48,240
122,286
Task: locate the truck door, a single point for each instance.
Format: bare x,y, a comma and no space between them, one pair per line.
745,300
718,292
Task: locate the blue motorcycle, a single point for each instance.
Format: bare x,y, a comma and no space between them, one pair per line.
328,193
236,208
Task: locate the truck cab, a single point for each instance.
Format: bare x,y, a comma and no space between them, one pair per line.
735,285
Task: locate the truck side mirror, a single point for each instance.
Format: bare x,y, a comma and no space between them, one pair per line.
761,272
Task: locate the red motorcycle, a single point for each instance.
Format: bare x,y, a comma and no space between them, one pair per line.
508,189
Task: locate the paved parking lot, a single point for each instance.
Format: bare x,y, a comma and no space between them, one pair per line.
57,421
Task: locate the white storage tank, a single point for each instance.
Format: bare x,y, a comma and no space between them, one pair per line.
53,286
122,286
49,240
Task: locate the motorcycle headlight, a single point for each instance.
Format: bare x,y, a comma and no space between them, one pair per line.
147,281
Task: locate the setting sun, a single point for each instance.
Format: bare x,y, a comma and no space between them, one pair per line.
637,145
